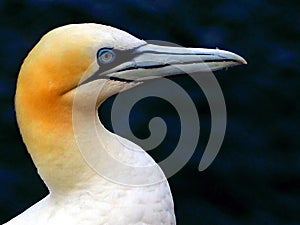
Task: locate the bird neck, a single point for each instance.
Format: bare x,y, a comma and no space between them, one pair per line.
46,128
72,149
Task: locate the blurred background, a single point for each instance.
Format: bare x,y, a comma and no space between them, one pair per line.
255,177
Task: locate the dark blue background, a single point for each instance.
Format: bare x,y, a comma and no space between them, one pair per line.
255,178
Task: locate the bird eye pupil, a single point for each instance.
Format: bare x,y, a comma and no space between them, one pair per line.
106,56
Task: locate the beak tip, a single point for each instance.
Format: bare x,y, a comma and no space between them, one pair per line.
239,59
243,61
235,58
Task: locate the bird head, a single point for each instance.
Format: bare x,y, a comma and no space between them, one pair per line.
99,61
93,55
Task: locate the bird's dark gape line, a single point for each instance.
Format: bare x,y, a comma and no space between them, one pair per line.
120,79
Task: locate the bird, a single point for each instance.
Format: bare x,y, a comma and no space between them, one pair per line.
69,73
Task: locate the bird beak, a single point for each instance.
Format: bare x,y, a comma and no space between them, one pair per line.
154,61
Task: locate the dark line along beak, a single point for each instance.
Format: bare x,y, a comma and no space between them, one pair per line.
153,61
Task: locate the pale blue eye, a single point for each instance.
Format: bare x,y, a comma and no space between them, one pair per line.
106,55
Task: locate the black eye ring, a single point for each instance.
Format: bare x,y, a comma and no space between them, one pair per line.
106,55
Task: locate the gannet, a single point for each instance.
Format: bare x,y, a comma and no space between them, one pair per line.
90,57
